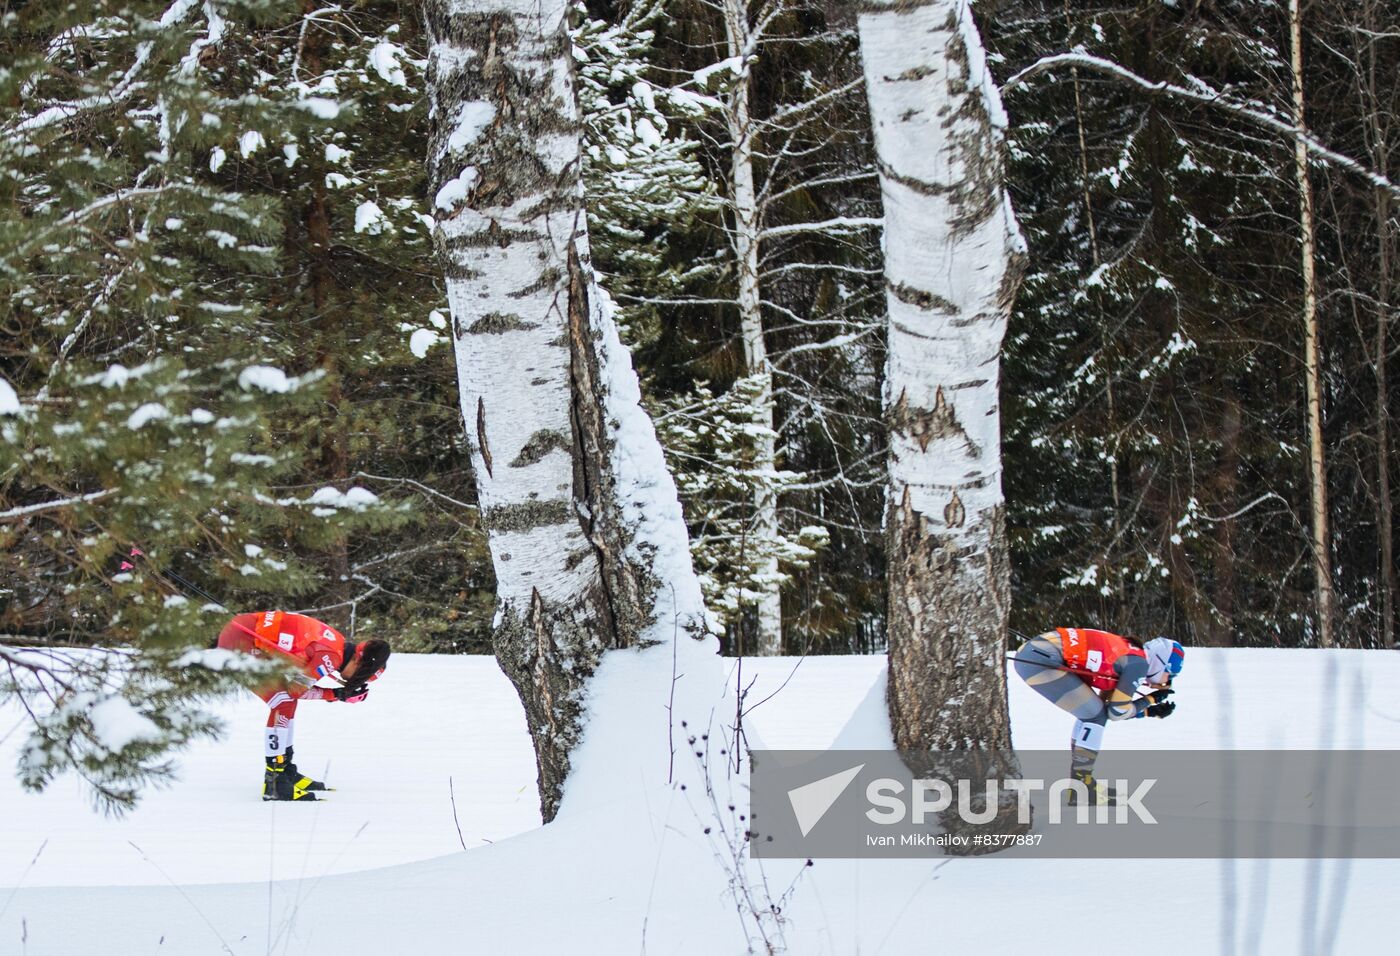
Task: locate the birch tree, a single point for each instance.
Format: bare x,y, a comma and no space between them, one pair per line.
585,530
742,43
1317,461
953,260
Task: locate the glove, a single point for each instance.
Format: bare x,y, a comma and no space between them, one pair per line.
1157,697
1160,710
351,695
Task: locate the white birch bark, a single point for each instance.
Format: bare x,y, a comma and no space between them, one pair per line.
1317,463
953,260
585,530
746,242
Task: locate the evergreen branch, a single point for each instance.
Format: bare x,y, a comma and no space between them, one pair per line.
106,202
125,87
71,339
1247,110
59,503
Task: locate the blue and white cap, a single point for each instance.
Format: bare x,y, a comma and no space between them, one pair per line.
1164,658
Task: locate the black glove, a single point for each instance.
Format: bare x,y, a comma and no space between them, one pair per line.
1160,710
1157,696
354,694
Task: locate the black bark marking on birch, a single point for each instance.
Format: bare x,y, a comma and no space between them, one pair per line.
481,442
920,298
498,323
911,75
454,269
541,443
920,186
975,142
925,425
896,6
954,514
525,515
548,279
492,235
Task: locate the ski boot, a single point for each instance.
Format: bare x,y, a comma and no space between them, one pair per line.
282,780
1099,793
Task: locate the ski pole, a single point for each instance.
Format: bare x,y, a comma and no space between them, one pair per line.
189,587
1055,667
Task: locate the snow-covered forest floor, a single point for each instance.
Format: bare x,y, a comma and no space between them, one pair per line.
206,867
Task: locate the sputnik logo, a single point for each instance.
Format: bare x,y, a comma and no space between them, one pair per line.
811,801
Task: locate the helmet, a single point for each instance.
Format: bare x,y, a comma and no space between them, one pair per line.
1164,657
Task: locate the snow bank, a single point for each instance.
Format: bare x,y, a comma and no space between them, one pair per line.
603,885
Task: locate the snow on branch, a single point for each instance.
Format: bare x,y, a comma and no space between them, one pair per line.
839,225
49,505
124,88
1254,112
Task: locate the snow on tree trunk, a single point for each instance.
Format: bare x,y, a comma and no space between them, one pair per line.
953,260
746,256
585,530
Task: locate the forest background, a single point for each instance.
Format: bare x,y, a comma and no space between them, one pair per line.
227,324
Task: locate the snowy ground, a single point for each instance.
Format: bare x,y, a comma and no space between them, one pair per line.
208,868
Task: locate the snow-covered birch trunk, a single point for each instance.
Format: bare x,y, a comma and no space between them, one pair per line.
585,530
744,199
953,260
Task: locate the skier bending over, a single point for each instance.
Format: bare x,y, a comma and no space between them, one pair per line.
321,652
1095,676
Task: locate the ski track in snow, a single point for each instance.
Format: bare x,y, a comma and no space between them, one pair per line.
188,871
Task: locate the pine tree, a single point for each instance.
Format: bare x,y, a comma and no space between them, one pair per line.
142,403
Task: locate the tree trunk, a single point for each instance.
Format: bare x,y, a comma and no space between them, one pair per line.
585,530
953,260
501,84
1227,492
1317,465
746,256
1385,510
1385,513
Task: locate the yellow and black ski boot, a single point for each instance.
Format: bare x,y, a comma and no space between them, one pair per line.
1099,793
282,780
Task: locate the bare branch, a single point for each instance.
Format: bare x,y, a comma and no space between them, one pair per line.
1253,112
